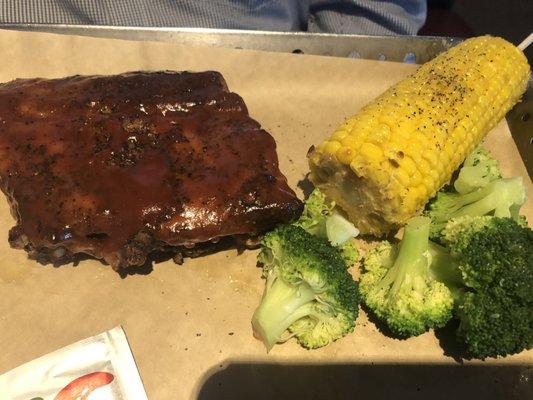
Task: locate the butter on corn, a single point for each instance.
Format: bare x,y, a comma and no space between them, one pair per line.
383,165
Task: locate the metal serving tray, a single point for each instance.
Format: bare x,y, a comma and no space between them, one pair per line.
413,49
244,378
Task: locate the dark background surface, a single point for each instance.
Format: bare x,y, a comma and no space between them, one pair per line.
510,19
248,380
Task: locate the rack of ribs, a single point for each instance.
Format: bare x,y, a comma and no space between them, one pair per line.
119,166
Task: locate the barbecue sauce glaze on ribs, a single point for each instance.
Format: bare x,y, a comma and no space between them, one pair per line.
119,166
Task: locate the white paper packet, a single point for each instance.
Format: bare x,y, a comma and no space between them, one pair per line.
97,368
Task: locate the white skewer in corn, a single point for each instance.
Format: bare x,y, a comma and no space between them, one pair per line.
526,42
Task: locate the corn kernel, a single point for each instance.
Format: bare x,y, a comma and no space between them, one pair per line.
339,135
371,152
408,164
332,147
380,134
351,141
401,176
345,155
416,178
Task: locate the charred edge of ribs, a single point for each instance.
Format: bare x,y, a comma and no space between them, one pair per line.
138,250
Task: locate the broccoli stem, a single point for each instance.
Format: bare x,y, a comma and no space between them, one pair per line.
445,269
281,306
477,203
412,254
466,204
503,198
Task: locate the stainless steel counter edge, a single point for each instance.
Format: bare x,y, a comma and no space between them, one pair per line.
411,49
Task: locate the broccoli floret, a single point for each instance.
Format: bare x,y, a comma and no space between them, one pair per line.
495,259
399,287
320,218
478,170
349,252
309,291
500,198
489,249
478,190
315,213
486,268
493,324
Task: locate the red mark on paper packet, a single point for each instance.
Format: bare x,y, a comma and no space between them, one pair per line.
98,367
80,388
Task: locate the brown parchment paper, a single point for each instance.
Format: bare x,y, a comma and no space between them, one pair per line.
185,323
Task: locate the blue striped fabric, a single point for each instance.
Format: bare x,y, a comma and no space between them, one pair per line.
374,17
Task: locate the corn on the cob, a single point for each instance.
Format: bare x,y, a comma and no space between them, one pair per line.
382,165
